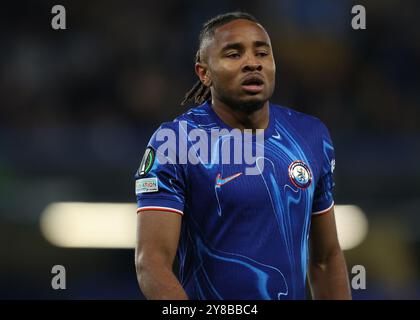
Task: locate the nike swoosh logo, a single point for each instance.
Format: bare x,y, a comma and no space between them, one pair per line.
221,181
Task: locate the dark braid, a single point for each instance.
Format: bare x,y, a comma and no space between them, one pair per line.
200,93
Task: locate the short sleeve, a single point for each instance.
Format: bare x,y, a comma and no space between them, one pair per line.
160,179
323,196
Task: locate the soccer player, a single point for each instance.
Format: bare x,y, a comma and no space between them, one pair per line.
238,235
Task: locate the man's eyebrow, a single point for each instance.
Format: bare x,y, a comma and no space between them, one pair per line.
239,46
233,45
261,44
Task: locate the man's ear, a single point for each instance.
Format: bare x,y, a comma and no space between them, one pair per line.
202,71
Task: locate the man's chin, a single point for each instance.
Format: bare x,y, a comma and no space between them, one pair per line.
245,103
249,105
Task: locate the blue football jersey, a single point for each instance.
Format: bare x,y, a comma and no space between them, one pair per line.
243,236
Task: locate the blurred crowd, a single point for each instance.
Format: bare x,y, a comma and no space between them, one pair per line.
131,62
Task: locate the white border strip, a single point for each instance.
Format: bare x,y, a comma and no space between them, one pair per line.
149,208
323,211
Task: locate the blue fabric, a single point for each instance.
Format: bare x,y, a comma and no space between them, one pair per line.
245,236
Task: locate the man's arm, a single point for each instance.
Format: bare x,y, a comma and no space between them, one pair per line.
157,242
328,277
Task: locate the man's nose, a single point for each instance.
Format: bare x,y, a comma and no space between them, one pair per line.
252,64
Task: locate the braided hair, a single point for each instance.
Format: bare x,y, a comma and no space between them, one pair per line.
199,92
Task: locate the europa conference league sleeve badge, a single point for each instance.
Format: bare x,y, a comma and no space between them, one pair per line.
147,162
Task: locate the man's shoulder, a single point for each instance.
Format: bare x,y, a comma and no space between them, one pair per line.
298,118
194,117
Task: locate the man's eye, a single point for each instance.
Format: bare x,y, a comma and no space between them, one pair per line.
262,53
233,55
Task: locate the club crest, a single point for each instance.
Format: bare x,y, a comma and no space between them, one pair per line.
300,174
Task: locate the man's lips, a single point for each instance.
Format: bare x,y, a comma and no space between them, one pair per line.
253,84
253,88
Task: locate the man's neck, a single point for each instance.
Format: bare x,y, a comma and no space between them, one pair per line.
258,119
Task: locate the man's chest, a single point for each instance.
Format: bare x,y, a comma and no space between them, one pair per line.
278,177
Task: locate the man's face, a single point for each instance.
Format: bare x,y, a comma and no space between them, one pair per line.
240,65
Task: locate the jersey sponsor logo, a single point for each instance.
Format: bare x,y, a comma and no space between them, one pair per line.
221,181
300,174
147,185
147,162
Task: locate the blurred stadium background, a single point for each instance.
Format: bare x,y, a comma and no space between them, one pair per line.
78,106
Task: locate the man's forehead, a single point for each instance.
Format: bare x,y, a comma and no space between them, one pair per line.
240,30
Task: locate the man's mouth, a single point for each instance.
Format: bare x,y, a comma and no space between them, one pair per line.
253,84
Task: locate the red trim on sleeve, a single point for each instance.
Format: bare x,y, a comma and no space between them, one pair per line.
164,209
322,212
